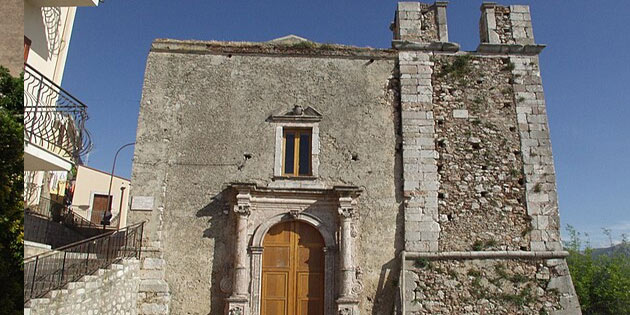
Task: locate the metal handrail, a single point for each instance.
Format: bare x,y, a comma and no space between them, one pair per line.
75,219
49,271
53,118
47,208
57,212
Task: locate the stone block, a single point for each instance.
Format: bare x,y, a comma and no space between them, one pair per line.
408,6
153,263
152,274
429,236
153,285
153,308
537,246
562,284
460,113
408,69
519,9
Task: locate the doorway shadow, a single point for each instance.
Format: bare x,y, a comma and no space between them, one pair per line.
220,227
387,297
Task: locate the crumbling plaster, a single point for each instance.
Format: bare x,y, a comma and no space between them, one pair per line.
200,115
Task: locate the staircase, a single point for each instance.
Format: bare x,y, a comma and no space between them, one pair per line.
53,270
51,223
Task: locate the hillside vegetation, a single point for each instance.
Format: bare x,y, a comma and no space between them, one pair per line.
601,276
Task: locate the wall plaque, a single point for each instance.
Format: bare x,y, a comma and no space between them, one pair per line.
142,203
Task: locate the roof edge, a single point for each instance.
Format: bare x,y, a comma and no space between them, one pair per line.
304,48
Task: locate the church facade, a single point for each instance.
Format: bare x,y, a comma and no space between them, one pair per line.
291,177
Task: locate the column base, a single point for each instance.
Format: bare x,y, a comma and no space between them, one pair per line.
237,305
347,306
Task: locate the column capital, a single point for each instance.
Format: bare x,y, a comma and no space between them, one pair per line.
243,204
347,199
346,212
243,209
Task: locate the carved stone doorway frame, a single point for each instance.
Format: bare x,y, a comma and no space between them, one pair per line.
330,211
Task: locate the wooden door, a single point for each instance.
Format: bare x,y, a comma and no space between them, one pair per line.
293,270
99,206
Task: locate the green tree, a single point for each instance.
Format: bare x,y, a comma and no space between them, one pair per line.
11,187
602,282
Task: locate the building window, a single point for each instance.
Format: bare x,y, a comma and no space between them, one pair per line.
296,159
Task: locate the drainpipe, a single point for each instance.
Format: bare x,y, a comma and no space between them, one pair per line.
122,194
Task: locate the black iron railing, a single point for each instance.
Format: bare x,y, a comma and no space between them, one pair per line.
53,118
46,272
47,208
74,219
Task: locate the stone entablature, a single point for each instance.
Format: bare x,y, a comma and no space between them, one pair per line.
331,211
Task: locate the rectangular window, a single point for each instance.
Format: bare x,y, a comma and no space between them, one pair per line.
296,152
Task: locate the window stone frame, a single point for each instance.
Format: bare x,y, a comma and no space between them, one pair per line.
297,118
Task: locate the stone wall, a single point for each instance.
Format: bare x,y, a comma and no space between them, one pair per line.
204,123
481,216
494,286
481,197
12,39
504,24
508,25
420,22
539,171
43,230
109,291
421,183
450,150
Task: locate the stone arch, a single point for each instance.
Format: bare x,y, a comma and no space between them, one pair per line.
317,223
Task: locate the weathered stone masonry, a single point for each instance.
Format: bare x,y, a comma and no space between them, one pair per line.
208,122
109,291
481,218
433,184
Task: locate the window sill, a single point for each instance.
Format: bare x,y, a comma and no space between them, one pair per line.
307,178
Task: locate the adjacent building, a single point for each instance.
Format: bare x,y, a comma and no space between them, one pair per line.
55,136
93,194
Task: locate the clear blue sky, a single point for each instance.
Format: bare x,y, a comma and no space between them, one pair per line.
585,71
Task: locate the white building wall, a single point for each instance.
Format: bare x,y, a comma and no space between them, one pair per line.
49,29
89,182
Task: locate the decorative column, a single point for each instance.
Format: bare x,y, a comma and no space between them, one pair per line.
348,302
238,302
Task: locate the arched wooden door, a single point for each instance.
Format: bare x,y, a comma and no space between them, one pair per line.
293,270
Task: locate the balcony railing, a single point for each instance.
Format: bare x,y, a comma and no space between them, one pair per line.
53,118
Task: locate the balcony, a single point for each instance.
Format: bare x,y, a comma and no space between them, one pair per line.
54,125
65,3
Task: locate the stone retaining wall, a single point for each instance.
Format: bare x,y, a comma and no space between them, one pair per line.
110,291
